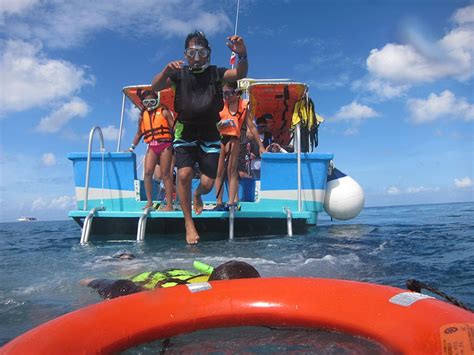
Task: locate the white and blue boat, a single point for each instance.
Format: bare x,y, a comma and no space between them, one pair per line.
287,197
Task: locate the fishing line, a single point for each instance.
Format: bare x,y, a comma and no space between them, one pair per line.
235,30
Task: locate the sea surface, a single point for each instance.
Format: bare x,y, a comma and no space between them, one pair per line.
42,262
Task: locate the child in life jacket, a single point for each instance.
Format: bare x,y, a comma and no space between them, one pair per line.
156,127
233,116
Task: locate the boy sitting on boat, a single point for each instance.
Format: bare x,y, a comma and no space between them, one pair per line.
198,101
150,280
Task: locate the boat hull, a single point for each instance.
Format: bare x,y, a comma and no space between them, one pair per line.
266,203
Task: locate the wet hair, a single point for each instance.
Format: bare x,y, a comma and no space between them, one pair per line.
199,38
234,270
109,289
148,93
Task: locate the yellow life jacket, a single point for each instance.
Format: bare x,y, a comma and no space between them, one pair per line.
304,114
155,126
168,278
230,124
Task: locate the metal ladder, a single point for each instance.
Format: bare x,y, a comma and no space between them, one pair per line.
289,222
86,227
142,224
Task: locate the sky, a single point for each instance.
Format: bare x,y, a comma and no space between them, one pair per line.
392,78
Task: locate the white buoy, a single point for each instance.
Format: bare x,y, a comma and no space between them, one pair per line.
344,198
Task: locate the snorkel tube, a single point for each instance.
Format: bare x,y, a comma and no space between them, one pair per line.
203,268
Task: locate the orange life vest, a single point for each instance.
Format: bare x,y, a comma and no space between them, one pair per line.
230,124
155,126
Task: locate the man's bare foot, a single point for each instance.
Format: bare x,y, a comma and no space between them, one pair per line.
192,236
197,204
149,204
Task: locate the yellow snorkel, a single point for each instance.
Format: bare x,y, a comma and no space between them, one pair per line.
203,268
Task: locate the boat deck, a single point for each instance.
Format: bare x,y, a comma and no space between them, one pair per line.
246,222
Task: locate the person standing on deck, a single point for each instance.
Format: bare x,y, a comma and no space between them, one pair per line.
198,101
156,127
234,117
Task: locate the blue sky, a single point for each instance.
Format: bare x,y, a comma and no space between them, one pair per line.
393,79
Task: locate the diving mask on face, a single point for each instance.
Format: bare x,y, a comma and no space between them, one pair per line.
198,52
151,104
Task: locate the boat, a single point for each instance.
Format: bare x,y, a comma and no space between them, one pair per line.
286,197
27,219
403,322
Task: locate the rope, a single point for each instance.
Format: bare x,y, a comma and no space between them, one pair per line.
236,23
416,286
236,18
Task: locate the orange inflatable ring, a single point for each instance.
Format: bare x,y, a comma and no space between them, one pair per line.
402,321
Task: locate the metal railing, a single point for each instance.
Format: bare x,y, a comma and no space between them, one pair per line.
142,224
88,164
86,227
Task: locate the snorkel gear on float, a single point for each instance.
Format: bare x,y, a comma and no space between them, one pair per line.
203,268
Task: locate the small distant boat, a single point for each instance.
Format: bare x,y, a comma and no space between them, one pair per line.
27,219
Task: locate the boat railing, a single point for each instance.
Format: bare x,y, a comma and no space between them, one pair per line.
89,152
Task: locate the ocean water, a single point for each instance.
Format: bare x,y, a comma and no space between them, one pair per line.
42,262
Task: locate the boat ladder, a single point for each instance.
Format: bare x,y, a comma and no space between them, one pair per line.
289,222
88,164
86,227
142,224
231,221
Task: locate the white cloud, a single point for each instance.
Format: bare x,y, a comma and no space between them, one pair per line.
111,133
463,182
55,22
418,189
354,111
395,67
63,202
30,79
38,204
404,64
351,131
444,105
382,88
58,203
393,190
48,159
61,116
132,113
464,15
8,7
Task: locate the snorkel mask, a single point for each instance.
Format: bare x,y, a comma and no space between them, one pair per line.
151,104
196,52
